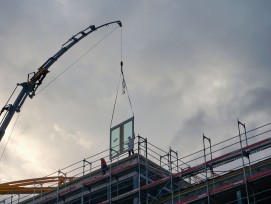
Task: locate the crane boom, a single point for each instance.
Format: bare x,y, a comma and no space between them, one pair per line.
30,86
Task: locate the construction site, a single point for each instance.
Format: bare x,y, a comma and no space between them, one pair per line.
134,170
232,171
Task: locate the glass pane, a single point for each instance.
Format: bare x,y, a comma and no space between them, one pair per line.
115,141
128,132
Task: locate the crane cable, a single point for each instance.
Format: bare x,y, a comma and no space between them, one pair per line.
3,152
6,105
77,60
124,86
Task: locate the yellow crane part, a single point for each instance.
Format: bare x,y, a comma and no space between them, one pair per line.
33,186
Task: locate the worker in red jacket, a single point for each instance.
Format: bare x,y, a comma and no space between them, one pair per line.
103,166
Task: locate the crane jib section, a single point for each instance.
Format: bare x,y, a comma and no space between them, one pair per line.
29,88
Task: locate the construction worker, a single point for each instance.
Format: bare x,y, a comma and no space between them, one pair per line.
103,166
131,145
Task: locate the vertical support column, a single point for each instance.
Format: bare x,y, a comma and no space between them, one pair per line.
57,190
41,192
179,187
244,170
83,187
211,154
82,196
139,163
59,182
135,185
206,173
247,155
211,166
146,160
110,183
171,182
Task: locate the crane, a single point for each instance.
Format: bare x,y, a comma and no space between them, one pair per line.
31,85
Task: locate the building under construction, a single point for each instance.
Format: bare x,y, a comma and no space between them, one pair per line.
237,170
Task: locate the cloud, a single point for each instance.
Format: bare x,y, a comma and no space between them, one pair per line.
191,68
74,137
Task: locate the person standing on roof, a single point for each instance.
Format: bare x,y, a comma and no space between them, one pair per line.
103,166
131,145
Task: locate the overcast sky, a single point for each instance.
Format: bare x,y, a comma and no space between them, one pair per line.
191,67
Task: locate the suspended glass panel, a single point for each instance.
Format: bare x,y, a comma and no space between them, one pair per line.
119,137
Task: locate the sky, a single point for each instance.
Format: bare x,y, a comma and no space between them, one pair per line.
191,67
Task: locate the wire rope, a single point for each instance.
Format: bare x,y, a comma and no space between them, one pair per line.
124,85
3,152
77,60
115,103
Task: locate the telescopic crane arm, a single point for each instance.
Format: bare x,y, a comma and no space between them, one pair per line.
30,86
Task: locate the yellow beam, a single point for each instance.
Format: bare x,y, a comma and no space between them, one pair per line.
28,186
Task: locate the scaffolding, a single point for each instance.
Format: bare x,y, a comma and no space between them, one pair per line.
231,171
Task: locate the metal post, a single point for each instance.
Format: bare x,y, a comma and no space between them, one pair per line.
138,149
250,171
146,160
110,184
84,160
211,154
58,186
177,162
171,168
82,196
206,174
244,126
171,184
90,169
60,172
160,160
179,189
83,187
34,191
244,170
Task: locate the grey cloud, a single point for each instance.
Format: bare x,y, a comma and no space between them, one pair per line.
191,131
257,100
190,66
